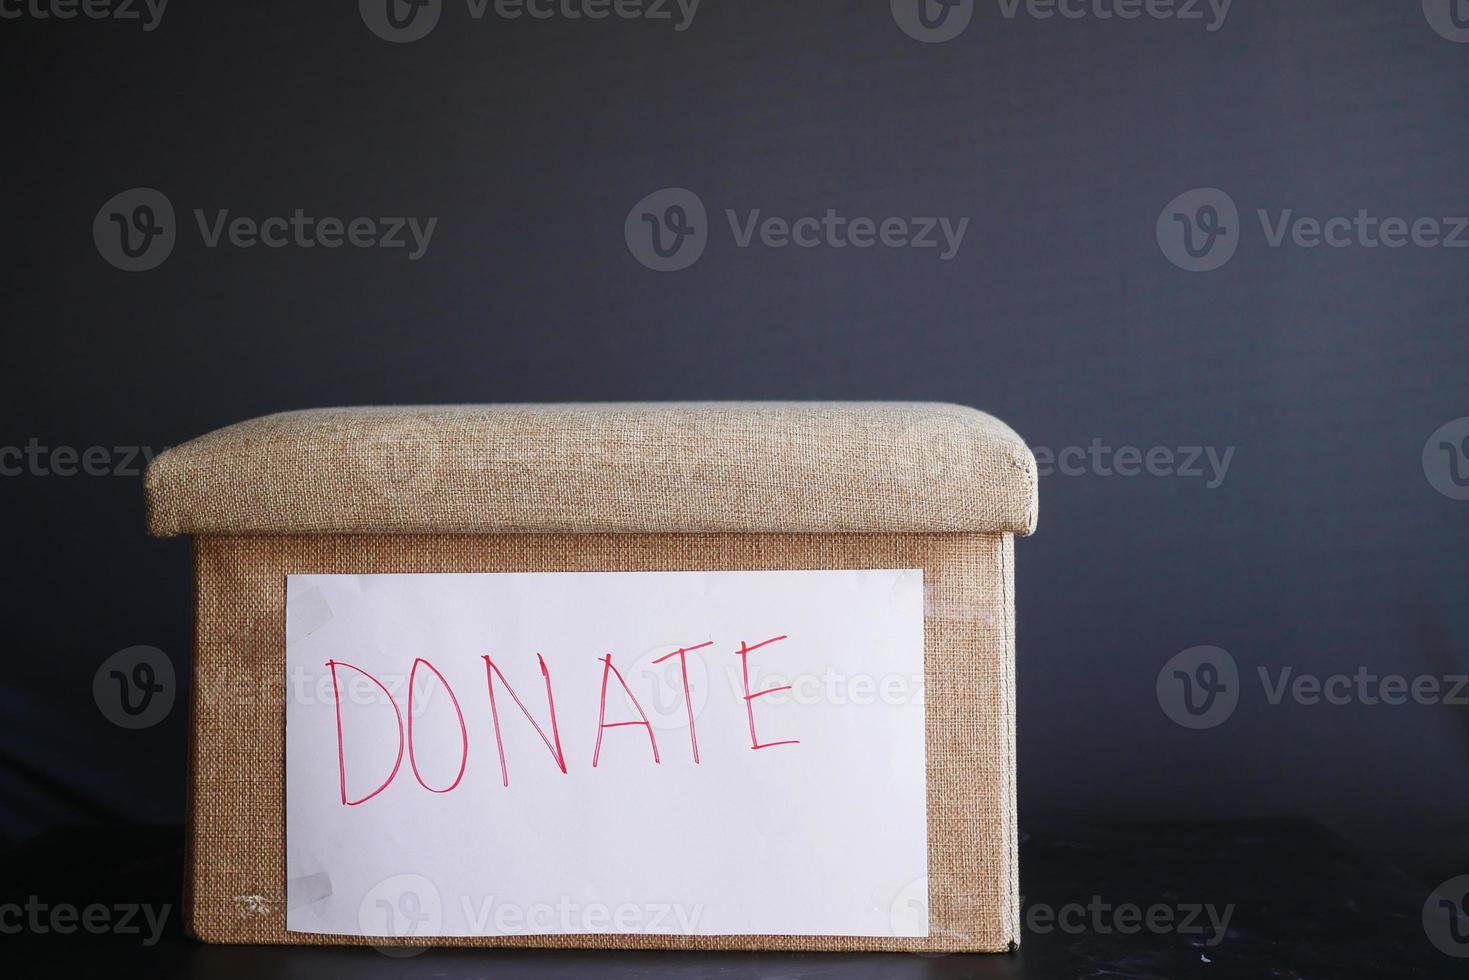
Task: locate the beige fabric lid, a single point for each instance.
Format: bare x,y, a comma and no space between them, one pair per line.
789,467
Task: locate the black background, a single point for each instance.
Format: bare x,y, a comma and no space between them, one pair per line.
1325,548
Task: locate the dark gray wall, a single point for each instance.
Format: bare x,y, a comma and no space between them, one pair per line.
1326,547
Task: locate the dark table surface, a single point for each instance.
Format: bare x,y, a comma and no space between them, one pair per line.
1262,899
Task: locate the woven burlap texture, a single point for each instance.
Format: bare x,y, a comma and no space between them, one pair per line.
795,467
236,849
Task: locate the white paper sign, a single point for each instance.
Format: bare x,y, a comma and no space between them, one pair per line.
698,753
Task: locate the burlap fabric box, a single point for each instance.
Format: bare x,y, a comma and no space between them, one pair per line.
716,486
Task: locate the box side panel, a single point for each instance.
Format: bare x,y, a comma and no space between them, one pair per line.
237,807
236,817
191,859
1009,894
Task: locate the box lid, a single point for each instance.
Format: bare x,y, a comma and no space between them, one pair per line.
792,467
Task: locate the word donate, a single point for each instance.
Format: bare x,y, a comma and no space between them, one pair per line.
526,740
553,743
